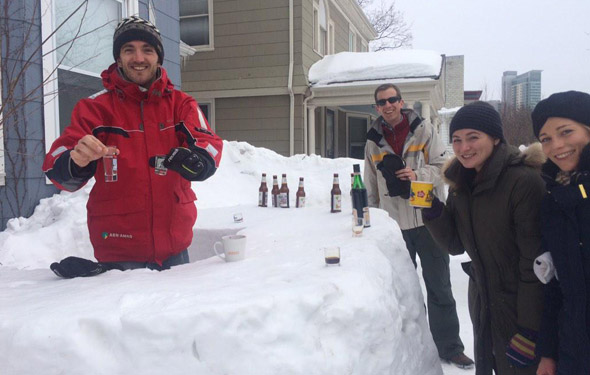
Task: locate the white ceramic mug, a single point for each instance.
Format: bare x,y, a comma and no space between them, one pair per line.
234,247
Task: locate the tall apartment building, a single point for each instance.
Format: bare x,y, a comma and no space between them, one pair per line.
521,91
507,79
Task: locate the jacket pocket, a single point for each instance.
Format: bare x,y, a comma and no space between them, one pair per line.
119,225
183,218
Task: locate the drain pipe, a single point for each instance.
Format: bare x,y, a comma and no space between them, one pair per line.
290,85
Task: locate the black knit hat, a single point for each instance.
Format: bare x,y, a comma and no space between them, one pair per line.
574,105
136,28
479,116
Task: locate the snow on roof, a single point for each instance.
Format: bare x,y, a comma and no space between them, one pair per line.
381,65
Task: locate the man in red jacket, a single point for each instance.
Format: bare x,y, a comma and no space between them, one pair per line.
159,142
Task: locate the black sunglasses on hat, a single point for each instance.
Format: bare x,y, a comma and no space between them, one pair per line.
392,99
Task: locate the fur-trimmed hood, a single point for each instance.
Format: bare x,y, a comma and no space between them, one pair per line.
455,175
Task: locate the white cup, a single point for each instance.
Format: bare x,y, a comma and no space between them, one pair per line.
234,247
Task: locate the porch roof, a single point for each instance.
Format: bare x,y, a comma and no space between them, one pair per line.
349,78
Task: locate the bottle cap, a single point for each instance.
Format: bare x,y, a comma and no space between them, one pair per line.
356,168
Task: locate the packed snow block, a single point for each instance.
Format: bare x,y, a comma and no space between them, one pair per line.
279,311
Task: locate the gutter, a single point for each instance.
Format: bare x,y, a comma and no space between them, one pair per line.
290,85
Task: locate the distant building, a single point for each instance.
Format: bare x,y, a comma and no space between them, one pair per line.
521,91
495,104
454,83
471,96
507,79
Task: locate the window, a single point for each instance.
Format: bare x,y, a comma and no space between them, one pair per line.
75,55
357,136
331,38
316,28
330,134
196,23
364,46
320,27
207,107
351,40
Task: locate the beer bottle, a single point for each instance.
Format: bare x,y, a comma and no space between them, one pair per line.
275,191
335,196
360,201
263,192
284,193
300,195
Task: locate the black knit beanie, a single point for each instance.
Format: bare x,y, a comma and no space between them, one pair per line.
479,116
574,105
136,28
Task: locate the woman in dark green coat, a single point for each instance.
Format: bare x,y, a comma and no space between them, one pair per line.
492,214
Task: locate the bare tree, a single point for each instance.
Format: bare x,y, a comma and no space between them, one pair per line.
392,30
518,126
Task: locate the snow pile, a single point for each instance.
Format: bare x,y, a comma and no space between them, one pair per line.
381,65
280,311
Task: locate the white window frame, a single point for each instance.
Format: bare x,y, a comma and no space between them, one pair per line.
211,104
211,45
364,45
317,28
50,89
352,35
331,37
357,115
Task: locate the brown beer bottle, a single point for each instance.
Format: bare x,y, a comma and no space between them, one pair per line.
336,196
263,192
300,195
275,191
284,193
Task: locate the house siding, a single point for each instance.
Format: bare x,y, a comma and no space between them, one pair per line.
247,72
166,19
251,39
262,121
22,120
340,29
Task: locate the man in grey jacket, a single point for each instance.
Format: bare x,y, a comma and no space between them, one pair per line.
403,133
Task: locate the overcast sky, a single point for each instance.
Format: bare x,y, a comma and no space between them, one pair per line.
496,36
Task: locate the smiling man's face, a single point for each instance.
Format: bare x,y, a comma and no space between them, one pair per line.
139,62
391,112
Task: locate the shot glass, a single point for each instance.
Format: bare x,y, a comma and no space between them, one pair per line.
159,165
358,224
110,164
332,256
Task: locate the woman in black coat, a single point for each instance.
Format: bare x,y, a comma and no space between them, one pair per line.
562,124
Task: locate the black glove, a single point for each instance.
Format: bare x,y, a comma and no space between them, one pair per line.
72,267
188,164
390,164
434,211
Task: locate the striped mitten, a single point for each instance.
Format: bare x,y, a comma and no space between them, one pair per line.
521,348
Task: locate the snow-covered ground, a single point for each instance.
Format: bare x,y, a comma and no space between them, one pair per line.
280,311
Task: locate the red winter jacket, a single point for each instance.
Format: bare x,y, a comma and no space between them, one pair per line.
142,217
